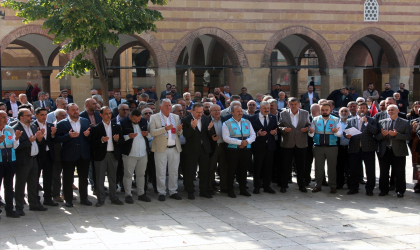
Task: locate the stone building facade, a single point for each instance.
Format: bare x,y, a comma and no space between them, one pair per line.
251,43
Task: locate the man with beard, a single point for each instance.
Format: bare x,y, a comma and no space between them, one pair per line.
227,111
325,129
245,97
388,92
382,106
342,157
352,107
362,148
167,91
206,106
197,97
211,96
174,94
371,93
219,97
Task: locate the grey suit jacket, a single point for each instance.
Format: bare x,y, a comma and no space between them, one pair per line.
23,151
37,104
307,104
399,142
367,138
295,137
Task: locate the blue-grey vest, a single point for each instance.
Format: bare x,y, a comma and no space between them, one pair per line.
238,133
323,132
6,147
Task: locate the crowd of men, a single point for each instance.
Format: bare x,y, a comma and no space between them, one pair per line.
225,135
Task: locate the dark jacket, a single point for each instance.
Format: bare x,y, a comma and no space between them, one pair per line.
383,115
385,94
367,137
28,92
100,148
98,117
127,128
23,151
9,107
194,137
399,142
46,142
262,142
73,148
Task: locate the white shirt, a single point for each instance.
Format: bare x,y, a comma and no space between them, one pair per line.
14,107
34,147
226,94
51,117
108,130
358,123
75,125
339,133
230,140
43,126
138,148
171,142
294,118
311,98
262,118
198,123
15,143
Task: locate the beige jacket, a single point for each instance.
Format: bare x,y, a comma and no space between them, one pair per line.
156,130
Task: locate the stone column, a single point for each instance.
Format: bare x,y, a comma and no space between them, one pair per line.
293,80
163,76
416,85
55,83
331,79
45,85
191,78
254,79
80,89
126,75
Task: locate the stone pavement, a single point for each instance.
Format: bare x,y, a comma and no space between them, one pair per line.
293,220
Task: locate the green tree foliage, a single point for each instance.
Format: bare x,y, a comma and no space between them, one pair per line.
85,26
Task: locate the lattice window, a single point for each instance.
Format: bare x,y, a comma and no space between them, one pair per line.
371,11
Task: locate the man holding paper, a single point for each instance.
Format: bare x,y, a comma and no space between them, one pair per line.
362,147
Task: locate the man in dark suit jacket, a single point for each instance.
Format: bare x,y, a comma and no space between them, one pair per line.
263,148
294,128
27,162
10,103
46,156
106,140
197,131
94,118
74,134
135,152
307,101
362,147
28,91
384,114
64,93
395,132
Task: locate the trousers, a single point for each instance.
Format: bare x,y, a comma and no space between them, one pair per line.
398,166
27,175
238,162
168,160
108,165
330,154
218,159
134,164
7,172
68,178
47,175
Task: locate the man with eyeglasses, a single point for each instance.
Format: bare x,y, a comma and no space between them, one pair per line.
252,107
123,111
218,155
343,144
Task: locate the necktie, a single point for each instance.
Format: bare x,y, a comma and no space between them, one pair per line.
41,102
360,124
265,122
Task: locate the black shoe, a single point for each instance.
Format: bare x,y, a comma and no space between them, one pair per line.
351,191
86,202
283,190
307,184
117,202
99,204
339,187
122,190
50,203
325,183
39,208
391,188
161,197
20,212
68,204
40,188
363,182
244,193
144,198
269,190
231,194
12,214
383,194
223,191
129,199
105,188
205,195
191,196
175,196
417,190
369,193
303,189
400,195
256,191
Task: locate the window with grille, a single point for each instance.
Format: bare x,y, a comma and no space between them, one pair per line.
371,11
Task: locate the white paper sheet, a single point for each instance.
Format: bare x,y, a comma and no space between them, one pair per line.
352,131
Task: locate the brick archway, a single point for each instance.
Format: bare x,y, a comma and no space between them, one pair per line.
22,31
233,48
390,46
148,40
318,42
414,52
32,49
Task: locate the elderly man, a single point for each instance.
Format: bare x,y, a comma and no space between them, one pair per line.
325,129
360,100
123,112
226,92
294,128
74,134
400,103
188,102
218,155
166,145
227,111
252,107
114,103
143,98
393,150
281,101
197,131
9,140
264,147
197,97
42,103
258,99
12,105
93,92
352,106
27,162
61,104
98,100
239,135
